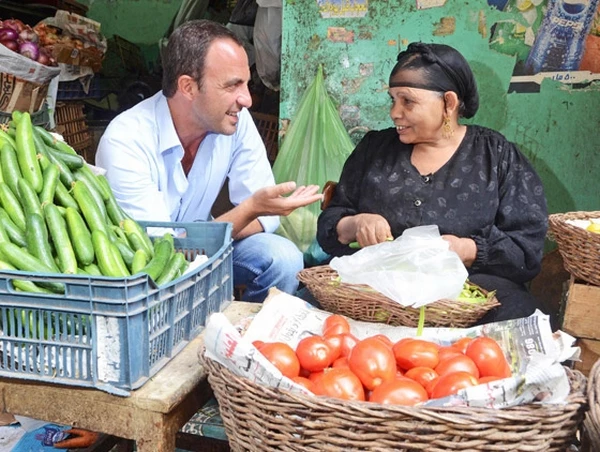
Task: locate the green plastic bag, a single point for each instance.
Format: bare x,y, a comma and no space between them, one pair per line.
314,150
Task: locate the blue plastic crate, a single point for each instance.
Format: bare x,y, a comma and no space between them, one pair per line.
113,333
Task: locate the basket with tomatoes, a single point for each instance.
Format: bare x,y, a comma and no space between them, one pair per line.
361,302
378,393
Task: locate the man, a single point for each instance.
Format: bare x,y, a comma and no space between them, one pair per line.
168,157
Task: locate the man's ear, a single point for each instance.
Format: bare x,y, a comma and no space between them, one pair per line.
187,86
451,103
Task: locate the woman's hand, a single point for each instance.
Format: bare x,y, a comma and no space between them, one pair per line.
364,228
464,247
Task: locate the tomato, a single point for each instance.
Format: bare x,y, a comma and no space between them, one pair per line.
283,357
458,363
335,324
386,340
485,380
489,357
314,353
373,362
314,376
452,383
335,345
462,343
448,352
400,391
422,375
416,353
258,344
342,361
429,387
341,383
302,381
348,343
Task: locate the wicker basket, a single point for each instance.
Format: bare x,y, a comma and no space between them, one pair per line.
260,418
591,425
71,124
361,302
579,248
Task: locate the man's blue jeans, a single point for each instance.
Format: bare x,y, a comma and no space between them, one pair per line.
264,260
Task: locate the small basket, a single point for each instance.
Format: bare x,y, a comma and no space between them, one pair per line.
591,424
259,418
579,248
361,302
71,124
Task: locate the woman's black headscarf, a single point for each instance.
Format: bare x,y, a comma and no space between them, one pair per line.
437,67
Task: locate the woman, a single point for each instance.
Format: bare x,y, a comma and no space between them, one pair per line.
476,186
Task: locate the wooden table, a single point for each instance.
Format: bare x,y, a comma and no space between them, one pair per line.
151,416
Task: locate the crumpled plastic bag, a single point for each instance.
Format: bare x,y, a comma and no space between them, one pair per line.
416,269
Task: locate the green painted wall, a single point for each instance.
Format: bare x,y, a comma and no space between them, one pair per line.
556,128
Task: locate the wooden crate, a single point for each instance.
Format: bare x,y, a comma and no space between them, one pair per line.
590,353
71,124
582,311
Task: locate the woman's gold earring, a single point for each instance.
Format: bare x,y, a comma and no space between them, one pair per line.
447,130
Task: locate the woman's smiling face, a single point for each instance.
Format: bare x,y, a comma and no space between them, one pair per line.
417,114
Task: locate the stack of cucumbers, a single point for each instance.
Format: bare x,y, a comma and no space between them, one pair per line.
58,216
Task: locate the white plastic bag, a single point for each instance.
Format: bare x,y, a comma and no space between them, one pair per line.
415,269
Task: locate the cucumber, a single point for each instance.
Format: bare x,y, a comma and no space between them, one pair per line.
140,259
92,214
98,201
37,241
15,234
11,172
107,256
57,229
12,206
50,173
27,154
126,253
29,198
53,142
87,173
73,162
115,214
93,270
65,173
24,261
162,254
62,197
22,284
172,270
4,235
81,237
137,236
7,138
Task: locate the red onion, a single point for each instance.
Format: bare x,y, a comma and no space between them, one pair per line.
12,45
8,33
43,57
27,34
30,50
15,24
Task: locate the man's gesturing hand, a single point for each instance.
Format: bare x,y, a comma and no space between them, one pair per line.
271,200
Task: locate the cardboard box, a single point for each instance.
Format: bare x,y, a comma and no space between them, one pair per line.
582,311
22,95
77,57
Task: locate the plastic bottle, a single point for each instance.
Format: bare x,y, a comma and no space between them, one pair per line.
559,43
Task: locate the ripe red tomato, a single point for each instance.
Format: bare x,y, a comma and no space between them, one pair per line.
302,381
258,344
458,363
335,324
373,362
314,376
448,352
341,383
462,343
452,383
314,353
489,357
386,340
348,343
415,353
335,345
342,361
422,375
399,391
283,357
485,380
